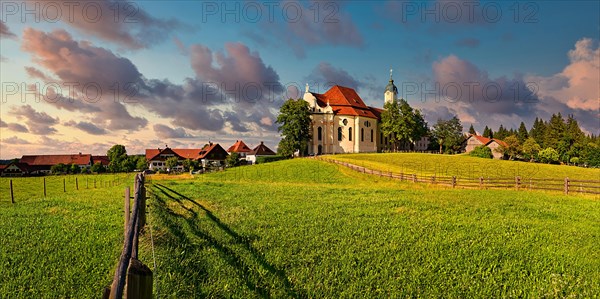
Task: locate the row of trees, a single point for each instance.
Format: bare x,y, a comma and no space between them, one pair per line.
121,162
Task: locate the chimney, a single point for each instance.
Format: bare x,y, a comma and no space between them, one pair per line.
262,143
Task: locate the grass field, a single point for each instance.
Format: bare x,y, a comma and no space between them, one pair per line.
464,166
64,246
305,228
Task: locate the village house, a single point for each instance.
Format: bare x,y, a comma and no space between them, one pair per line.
474,141
260,151
240,148
343,123
41,164
210,154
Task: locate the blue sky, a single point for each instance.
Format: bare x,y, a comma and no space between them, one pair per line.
185,58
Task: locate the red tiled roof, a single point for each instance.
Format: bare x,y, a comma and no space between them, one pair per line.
79,159
2,166
486,141
500,142
344,101
262,150
102,159
210,148
239,147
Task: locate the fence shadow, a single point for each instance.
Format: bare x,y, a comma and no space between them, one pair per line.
227,250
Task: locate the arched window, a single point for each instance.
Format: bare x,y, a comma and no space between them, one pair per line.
371,135
350,134
319,133
362,134
340,134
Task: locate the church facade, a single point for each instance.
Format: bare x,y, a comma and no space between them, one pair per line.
343,123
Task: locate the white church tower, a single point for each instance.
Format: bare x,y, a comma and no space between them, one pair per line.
391,92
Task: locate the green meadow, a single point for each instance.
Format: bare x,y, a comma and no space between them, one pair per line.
65,245
464,166
310,229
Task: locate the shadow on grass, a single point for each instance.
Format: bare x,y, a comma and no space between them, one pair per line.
227,250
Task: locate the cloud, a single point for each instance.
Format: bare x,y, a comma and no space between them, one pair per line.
15,140
103,75
87,127
163,132
5,31
39,123
330,26
17,128
122,22
325,73
468,43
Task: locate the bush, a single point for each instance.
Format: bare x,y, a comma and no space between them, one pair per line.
267,159
482,151
548,155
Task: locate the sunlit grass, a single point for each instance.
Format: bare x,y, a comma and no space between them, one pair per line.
304,228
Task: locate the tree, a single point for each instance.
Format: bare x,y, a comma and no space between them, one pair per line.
98,168
538,130
501,133
548,155
402,123
482,151
448,134
555,131
232,160
530,149
128,164
522,133
59,168
295,126
472,130
141,164
171,163
116,154
512,148
487,133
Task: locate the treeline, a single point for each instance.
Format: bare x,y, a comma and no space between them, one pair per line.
119,162
557,140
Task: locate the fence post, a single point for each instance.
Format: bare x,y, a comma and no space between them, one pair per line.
44,187
414,178
433,179
139,280
142,220
453,181
64,185
126,208
567,185
517,182
76,184
12,197
401,176
480,182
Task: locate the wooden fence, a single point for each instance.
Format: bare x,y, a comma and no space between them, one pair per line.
132,278
566,185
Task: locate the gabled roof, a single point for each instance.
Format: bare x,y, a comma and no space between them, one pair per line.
262,150
183,153
213,148
102,159
78,159
344,101
486,141
239,147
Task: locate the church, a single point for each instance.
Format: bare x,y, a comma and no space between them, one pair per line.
343,123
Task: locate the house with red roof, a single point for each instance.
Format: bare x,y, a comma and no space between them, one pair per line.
474,141
259,151
41,164
210,154
240,148
343,123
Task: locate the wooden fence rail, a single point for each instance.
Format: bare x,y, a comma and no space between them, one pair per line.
132,278
517,183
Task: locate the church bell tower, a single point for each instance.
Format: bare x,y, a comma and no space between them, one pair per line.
391,92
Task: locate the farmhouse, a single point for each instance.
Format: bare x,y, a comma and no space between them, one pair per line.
343,123
15,169
474,141
260,151
41,164
240,148
210,154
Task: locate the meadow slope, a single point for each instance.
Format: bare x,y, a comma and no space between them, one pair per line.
306,228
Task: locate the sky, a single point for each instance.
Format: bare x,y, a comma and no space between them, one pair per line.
81,76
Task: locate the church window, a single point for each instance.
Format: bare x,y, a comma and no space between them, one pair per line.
345,122
319,133
362,134
350,134
339,134
371,135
